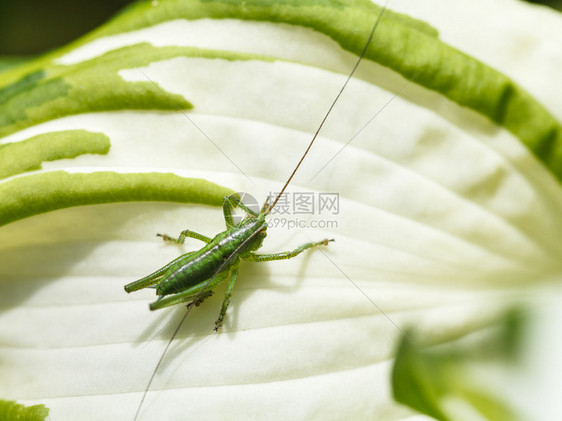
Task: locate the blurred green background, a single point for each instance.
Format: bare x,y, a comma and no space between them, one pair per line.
30,27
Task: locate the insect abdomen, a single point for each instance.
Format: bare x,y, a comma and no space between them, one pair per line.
204,263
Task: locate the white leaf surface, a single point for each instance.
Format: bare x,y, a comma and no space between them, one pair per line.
444,221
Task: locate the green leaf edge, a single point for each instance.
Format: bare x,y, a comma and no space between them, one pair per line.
408,46
403,44
29,195
90,86
95,85
13,411
10,62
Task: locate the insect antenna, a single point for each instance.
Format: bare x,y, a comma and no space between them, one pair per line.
160,362
225,264
361,56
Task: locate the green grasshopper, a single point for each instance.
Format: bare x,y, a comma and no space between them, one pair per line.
192,277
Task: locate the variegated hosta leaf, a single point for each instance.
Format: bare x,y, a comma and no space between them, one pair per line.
447,215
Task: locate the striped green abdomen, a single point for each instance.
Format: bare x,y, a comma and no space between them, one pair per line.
204,263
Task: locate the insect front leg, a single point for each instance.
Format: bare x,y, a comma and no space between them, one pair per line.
185,234
284,254
227,211
227,295
227,208
197,302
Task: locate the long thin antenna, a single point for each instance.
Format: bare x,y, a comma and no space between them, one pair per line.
160,362
377,21
229,259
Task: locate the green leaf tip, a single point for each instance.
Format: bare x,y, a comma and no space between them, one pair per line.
25,196
27,155
428,379
13,411
414,382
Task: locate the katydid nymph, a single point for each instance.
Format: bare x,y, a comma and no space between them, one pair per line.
192,277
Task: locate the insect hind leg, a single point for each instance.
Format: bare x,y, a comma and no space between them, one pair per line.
284,254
